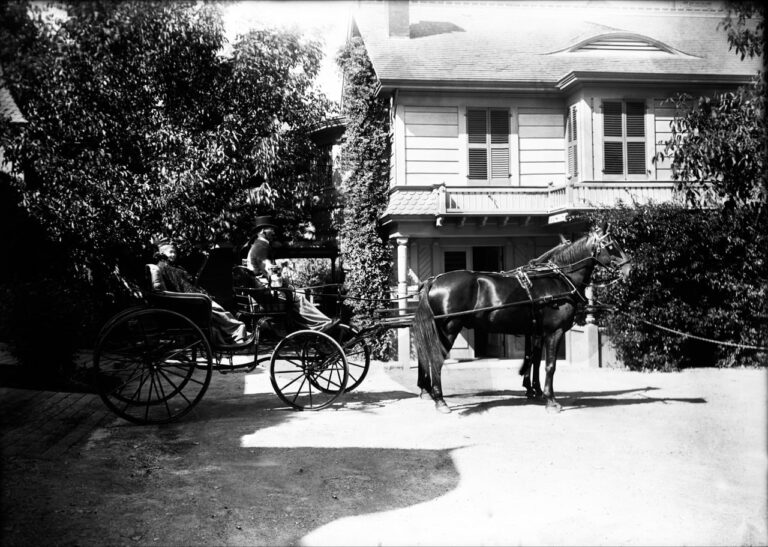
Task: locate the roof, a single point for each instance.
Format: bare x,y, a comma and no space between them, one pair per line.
547,44
8,108
412,201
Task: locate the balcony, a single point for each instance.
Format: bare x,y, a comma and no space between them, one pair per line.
551,201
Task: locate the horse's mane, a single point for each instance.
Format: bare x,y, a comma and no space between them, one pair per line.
570,254
547,256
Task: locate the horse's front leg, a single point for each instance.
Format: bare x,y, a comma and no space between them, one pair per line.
536,362
552,343
525,369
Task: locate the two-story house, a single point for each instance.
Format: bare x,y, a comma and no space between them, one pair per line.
506,116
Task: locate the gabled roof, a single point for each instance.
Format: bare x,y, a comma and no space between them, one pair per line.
8,108
546,45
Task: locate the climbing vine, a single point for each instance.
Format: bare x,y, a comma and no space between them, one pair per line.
365,156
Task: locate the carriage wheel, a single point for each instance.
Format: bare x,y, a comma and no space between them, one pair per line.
358,356
152,366
308,370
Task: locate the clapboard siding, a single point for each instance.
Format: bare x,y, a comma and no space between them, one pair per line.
542,180
538,156
431,144
542,145
663,117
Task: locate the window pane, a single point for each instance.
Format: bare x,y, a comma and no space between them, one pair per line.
478,163
499,126
636,158
614,158
476,126
635,119
612,119
455,260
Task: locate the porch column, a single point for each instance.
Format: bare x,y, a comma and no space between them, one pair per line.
403,335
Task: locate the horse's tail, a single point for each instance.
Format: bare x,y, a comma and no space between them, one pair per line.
429,349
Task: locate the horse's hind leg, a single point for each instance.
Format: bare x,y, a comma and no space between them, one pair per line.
423,381
530,367
447,338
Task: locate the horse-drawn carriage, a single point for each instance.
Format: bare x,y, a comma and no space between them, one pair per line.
154,361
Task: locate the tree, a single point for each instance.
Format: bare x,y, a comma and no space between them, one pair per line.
365,160
722,140
139,126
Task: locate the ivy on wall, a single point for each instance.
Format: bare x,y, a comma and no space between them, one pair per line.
365,154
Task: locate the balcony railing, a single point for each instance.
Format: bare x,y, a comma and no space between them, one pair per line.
493,200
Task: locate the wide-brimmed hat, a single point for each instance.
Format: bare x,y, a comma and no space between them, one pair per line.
262,222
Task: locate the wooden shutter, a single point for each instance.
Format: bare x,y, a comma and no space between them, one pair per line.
635,119
572,142
477,134
488,142
624,138
499,122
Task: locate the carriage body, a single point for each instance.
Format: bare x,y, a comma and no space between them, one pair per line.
155,361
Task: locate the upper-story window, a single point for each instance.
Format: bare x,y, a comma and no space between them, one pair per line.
488,144
624,140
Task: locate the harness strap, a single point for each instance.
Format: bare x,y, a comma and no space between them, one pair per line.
526,284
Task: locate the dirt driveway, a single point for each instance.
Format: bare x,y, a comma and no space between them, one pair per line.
633,459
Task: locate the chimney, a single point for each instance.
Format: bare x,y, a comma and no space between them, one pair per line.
399,19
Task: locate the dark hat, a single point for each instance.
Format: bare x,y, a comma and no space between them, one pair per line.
262,222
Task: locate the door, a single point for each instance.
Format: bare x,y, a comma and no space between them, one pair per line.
488,259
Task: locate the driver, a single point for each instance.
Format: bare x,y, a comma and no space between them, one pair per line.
261,263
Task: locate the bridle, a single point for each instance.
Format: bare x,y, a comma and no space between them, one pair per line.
617,257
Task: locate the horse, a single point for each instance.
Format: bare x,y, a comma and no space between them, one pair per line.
542,304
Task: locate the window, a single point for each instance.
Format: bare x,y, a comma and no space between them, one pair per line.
488,142
571,142
624,139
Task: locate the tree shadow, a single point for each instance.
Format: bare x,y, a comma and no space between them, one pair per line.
574,400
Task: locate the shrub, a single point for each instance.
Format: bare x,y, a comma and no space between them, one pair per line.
699,272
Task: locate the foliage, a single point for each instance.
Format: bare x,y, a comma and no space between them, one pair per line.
747,40
365,161
139,125
700,272
722,140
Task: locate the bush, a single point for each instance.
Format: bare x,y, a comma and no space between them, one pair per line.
699,272
46,321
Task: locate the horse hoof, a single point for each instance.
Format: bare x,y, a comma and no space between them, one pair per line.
553,407
442,408
424,394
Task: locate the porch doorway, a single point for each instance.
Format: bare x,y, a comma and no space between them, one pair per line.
488,259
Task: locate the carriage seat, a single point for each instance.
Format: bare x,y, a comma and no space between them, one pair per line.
196,307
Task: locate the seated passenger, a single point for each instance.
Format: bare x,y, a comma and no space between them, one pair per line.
226,329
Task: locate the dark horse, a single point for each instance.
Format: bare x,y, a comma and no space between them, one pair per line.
541,304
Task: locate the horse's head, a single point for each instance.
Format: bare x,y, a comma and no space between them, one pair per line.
608,253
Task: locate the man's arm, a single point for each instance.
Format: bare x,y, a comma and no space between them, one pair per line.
259,259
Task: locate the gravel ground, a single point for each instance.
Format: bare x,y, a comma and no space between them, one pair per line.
633,459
